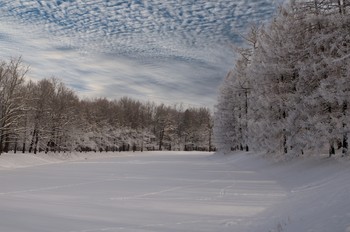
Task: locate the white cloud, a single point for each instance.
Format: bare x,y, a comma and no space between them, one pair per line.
176,51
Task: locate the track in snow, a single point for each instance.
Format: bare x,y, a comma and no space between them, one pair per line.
147,192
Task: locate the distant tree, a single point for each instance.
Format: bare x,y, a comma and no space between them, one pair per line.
48,116
163,124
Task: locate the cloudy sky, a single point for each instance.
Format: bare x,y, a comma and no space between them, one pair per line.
171,51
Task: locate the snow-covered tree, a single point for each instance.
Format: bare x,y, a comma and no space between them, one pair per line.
11,100
298,77
226,130
231,118
48,116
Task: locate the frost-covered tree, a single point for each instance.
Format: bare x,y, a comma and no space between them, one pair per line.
274,75
11,100
41,110
64,117
226,130
298,76
326,74
231,118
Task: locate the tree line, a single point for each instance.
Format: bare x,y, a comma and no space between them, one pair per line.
47,116
288,93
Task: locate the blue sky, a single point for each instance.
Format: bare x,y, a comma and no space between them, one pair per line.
171,51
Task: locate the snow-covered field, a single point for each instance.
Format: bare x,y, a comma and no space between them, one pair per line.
171,191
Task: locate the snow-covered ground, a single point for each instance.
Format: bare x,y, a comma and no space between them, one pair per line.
171,191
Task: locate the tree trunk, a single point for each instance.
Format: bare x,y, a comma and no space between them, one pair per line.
15,147
209,139
24,147
345,135
32,142
345,144
59,144
285,149
1,145
7,144
340,7
331,149
161,135
36,142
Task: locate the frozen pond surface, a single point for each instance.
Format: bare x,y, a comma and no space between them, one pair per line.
142,192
